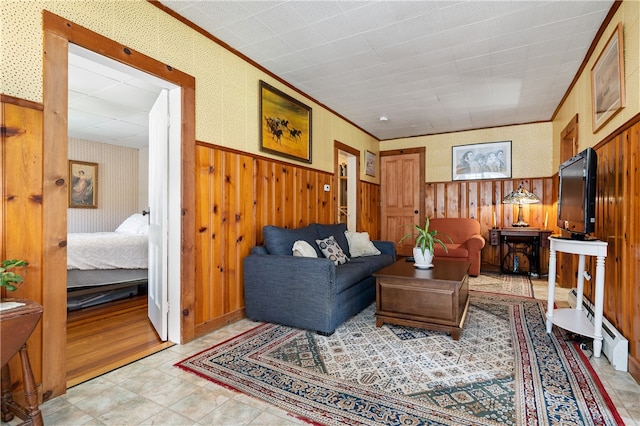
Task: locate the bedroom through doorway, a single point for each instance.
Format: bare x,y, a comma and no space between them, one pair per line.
108,280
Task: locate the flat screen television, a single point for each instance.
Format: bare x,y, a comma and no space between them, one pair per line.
577,195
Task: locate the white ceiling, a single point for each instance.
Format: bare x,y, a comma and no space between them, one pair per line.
429,66
109,102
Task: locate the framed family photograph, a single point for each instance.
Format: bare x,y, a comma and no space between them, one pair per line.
491,160
607,81
370,163
83,185
285,127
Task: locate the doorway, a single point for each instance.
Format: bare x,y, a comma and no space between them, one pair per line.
569,140
347,184
58,34
107,105
402,195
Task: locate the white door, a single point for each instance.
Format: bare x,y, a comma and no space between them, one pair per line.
158,305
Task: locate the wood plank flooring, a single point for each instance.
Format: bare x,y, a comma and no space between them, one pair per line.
105,337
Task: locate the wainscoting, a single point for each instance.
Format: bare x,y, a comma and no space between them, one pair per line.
482,200
237,194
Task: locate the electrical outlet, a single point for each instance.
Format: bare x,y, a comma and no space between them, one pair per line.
327,187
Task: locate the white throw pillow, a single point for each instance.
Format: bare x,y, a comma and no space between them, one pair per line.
360,244
332,250
136,224
303,249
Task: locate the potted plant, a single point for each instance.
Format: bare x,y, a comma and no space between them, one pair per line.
10,278
425,240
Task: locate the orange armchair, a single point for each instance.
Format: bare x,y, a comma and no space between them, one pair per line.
467,242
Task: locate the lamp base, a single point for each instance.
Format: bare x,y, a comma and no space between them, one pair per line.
520,224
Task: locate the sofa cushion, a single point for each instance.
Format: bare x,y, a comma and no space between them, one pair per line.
454,250
332,251
337,230
360,244
350,274
302,248
281,240
373,263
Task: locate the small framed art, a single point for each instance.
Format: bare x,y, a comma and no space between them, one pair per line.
370,163
491,160
83,185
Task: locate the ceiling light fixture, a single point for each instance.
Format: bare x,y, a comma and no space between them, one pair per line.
384,118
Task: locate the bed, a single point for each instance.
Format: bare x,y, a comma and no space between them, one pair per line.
107,266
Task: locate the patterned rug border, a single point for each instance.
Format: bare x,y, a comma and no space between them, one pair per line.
504,287
581,373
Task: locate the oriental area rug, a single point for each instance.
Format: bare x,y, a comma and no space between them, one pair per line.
518,285
505,369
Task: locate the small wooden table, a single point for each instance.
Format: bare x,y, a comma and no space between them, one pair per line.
433,299
16,325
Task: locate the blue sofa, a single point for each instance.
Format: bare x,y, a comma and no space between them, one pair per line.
308,292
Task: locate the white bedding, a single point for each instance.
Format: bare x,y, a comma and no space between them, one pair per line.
107,250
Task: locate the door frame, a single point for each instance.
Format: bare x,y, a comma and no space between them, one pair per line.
339,146
58,33
421,151
569,140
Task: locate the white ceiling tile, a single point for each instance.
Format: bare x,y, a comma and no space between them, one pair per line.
431,66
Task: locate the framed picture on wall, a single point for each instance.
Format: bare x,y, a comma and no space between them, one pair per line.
607,81
491,160
83,185
285,124
370,163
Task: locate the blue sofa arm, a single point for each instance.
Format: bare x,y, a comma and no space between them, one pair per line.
290,290
386,247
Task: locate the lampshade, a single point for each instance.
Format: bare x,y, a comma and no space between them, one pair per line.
520,196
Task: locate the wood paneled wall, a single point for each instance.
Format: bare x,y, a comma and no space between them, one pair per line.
482,199
21,212
618,223
369,209
236,196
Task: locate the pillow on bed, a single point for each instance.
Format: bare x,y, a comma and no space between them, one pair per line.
136,224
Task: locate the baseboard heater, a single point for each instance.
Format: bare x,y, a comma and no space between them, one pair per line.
614,345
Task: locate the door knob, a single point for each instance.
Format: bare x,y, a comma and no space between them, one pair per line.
415,211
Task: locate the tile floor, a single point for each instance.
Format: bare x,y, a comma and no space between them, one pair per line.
153,392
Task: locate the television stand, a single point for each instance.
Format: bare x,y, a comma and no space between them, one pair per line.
574,319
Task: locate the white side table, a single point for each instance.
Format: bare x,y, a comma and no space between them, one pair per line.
574,319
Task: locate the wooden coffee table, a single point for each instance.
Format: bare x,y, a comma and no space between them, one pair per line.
433,299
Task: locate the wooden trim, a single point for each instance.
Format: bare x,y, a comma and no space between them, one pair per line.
569,139
250,61
58,32
402,151
217,323
614,134
573,123
98,43
187,260
339,146
6,99
469,130
54,221
258,156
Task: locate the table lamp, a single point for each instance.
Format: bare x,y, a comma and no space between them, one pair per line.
521,196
